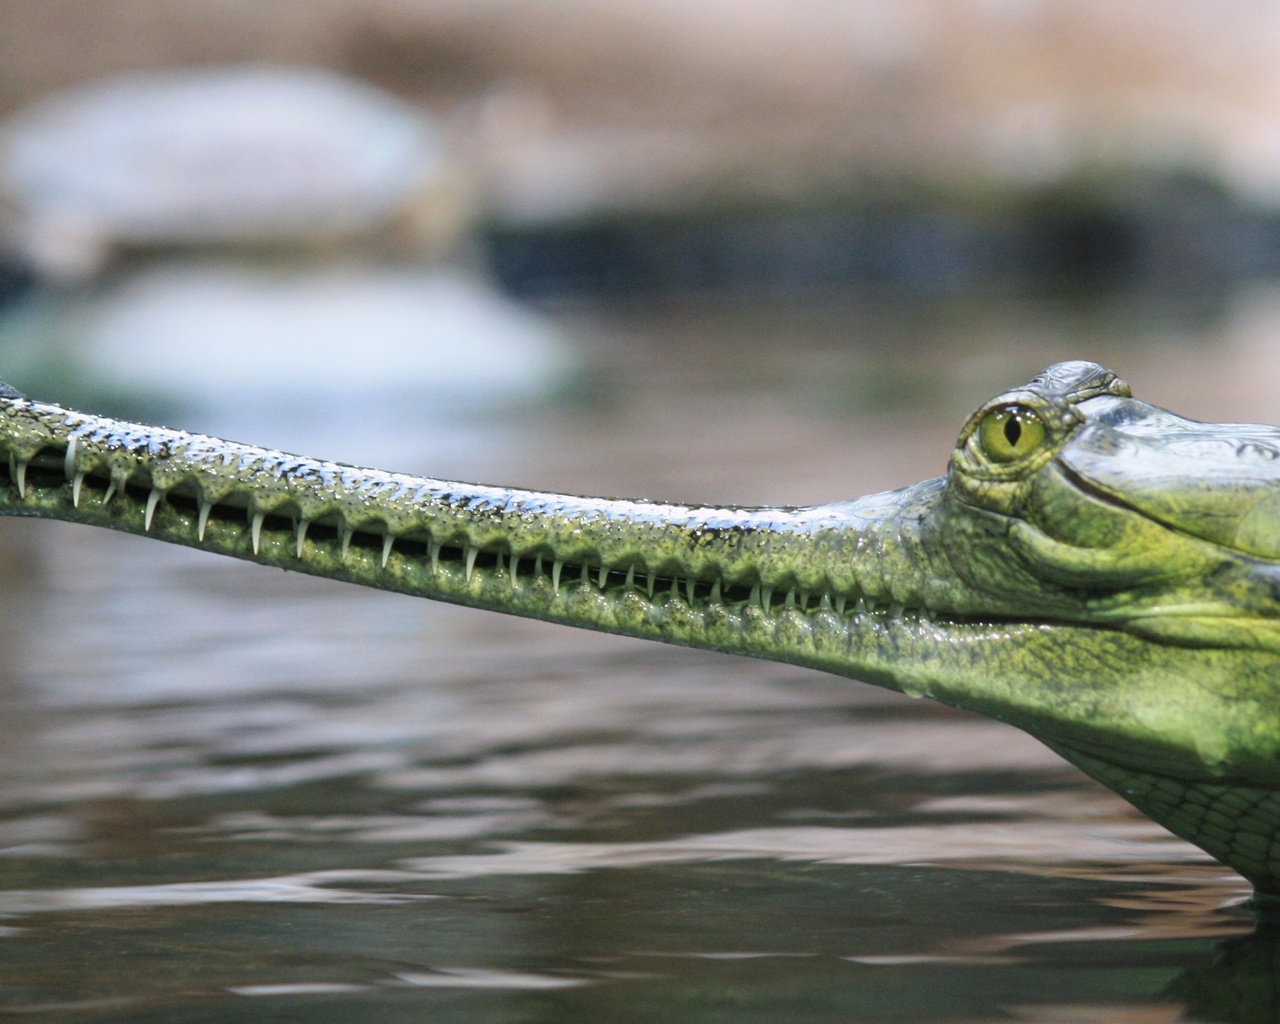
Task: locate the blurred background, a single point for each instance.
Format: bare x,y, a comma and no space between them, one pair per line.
714,153
744,251
183,177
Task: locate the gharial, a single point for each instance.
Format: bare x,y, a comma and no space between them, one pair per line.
1092,569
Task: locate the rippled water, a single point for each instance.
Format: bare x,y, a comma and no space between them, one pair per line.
234,794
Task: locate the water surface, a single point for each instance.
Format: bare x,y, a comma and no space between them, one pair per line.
229,793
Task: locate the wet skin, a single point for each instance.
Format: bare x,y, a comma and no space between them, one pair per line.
1092,569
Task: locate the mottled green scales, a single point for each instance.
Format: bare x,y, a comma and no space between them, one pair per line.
1092,569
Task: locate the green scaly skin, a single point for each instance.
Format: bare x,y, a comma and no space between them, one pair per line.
1094,570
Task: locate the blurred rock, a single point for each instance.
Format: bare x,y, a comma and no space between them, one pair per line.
245,155
342,357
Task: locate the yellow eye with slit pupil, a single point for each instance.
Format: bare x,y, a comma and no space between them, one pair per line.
1009,433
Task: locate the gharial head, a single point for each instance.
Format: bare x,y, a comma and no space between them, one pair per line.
1097,571
1134,556
1075,501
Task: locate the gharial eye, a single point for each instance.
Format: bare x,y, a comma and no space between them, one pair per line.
1009,433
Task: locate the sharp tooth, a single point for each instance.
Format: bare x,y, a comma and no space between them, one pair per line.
766,598
604,575
435,556
255,529
651,581
76,481
631,577
840,606
825,604
689,587
754,597
804,600
861,608
537,566
153,499
515,570
896,609
119,477
346,541
302,534
675,586
202,520
472,551
556,566
585,575
21,476
387,541
715,591
69,463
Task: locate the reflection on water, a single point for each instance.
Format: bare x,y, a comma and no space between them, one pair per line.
228,793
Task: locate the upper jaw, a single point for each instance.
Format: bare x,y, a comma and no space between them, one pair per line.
1218,483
